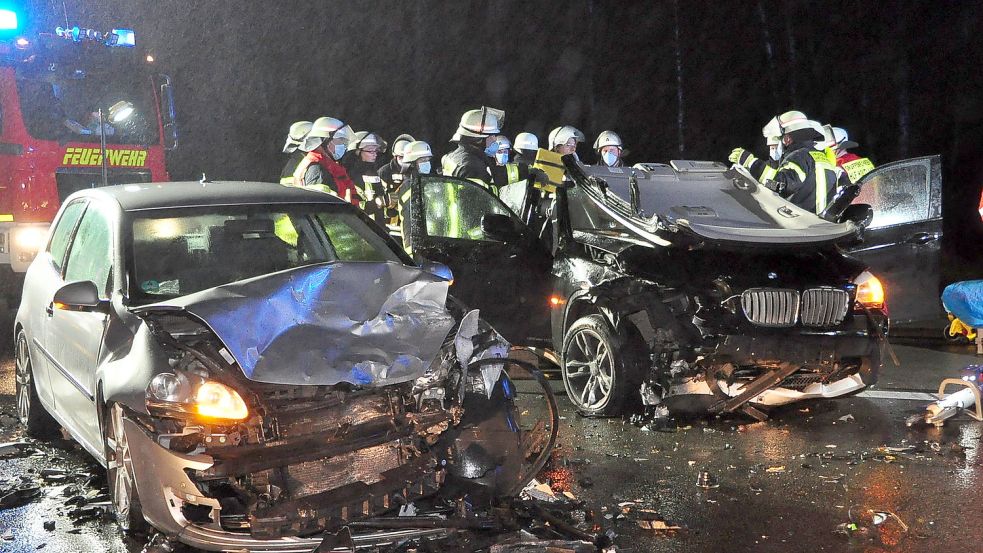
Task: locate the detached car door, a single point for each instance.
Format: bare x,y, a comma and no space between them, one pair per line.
902,245
507,279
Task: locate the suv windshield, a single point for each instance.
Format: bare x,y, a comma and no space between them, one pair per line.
179,252
63,103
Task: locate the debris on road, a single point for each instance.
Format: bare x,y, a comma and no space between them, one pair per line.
846,418
706,480
19,494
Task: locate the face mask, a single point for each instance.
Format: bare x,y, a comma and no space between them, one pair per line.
610,158
339,150
502,158
490,151
424,167
777,151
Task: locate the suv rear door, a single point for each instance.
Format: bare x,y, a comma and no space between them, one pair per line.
902,244
507,279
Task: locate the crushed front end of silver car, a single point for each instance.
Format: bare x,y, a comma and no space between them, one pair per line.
285,407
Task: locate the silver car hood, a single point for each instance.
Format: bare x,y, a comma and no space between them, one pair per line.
367,324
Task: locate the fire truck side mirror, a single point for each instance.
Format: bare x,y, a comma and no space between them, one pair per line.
168,115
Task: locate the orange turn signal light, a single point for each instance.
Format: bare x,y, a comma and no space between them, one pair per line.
870,291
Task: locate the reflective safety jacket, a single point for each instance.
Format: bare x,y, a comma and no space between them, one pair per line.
855,166
806,177
468,162
510,173
371,189
761,169
317,170
287,175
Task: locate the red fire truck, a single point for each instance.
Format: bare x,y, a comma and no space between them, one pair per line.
67,97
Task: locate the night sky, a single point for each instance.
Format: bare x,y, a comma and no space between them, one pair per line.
904,78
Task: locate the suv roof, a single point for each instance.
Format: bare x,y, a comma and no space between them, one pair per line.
135,197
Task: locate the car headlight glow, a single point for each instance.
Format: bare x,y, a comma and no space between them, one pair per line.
29,239
195,395
870,292
216,400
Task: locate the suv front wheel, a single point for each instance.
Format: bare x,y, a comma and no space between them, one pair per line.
597,373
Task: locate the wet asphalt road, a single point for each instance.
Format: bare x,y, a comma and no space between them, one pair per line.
783,485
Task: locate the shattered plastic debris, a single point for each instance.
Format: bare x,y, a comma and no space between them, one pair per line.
648,519
539,491
19,495
846,418
706,480
776,469
467,351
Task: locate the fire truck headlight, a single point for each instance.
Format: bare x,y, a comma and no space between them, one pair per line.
28,240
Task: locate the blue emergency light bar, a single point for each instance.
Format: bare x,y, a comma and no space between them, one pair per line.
8,20
118,38
124,38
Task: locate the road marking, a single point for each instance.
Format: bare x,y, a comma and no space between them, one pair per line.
890,394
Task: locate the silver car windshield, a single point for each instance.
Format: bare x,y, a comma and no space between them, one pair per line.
175,253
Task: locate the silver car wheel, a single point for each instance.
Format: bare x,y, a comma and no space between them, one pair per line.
119,464
589,369
23,376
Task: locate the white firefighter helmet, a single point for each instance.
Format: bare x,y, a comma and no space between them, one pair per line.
608,138
526,142
772,131
842,139
364,139
399,145
792,121
416,150
325,128
480,123
561,135
828,141
295,136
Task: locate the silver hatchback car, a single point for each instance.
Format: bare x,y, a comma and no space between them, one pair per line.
257,365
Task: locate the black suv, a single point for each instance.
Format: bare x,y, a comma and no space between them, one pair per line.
685,284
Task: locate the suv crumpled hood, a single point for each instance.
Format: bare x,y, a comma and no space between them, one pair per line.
725,207
368,324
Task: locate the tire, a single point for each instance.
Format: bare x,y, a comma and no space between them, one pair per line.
119,476
36,420
598,375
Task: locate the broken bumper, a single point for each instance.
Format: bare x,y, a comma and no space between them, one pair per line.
165,489
818,390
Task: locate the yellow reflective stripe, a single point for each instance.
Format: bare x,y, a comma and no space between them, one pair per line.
857,168
820,189
768,173
406,196
512,172
6,218
795,167
453,214
286,180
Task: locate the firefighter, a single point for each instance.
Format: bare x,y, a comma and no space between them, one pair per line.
504,151
563,140
325,145
476,146
390,172
360,162
525,147
762,169
295,137
609,149
806,176
417,160
855,166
